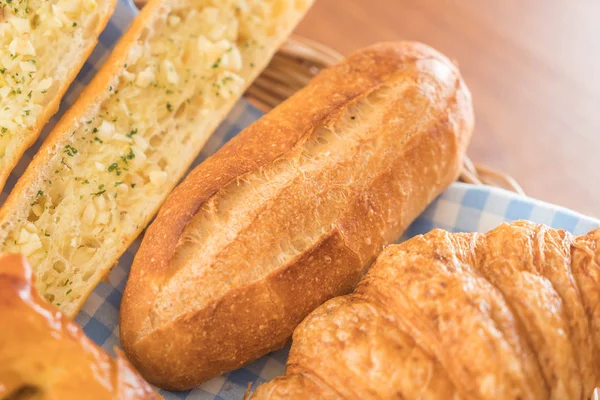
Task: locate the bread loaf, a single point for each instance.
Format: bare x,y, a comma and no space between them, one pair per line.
44,355
116,154
43,46
512,314
292,211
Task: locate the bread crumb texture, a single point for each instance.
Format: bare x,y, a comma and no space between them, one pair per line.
115,166
32,33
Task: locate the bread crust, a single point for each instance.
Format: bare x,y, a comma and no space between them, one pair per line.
52,107
45,352
258,316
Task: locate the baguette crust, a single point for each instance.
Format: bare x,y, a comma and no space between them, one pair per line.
179,347
10,161
46,355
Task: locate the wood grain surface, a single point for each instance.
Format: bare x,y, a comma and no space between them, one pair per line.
533,67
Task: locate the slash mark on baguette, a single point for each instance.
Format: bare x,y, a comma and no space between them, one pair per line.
303,193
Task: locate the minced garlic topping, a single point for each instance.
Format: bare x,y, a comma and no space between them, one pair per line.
31,32
126,153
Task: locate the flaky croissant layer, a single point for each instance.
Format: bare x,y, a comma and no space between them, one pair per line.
511,314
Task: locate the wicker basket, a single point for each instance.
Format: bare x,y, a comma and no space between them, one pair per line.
300,59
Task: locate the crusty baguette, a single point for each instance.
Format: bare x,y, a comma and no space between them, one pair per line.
116,154
43,45
44,355
292,211
512,314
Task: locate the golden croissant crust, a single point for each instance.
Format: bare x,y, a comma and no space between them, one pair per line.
511,314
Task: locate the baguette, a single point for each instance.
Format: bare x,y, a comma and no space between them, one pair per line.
43,46
116,154
292,211
512,314
44,355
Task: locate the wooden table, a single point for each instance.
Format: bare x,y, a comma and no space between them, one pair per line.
533,67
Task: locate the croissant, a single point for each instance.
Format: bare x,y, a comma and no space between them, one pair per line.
44,355
511,314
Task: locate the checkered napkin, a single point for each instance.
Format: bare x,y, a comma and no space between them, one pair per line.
462,207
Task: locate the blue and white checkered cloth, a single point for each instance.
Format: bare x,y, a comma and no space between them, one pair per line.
462,207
